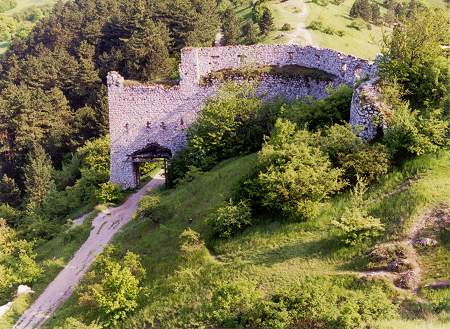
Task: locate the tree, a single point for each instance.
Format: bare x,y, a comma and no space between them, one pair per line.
293,176
413,56
250,33
17,262
9,191
113,286
361,8
266,22
37,177
375,13
147,52
230,26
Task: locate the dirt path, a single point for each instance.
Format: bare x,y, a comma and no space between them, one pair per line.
300,31
104,227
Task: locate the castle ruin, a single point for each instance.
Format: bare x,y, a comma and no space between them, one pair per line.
141,115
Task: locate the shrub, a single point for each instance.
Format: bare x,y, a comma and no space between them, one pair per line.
293,176
268,314
109,192
232,123
72,323
357,24
319,113
10,214
411,133
147,207
113,287
230,219
355,224
348,151
17,262
190,241
95,160
370,162
286,27
231,303
9,191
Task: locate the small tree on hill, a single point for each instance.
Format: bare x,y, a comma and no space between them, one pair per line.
375,13
250,33
230,25
361,8
266,22
9,192
38,178
413,56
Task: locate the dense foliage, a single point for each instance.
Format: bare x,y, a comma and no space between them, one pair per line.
293,176
17,262
51,82
112,287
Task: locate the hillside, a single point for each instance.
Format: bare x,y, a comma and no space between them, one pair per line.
362,39
21,19
275,253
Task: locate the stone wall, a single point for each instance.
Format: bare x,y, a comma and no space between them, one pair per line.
142,114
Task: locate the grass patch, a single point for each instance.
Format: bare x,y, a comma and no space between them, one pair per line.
270,255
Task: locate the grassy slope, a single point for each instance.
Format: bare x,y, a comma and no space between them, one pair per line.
270,254
364,43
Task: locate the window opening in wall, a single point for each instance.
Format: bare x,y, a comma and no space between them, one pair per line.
242,58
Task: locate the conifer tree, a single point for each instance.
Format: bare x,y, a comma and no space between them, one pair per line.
361,8
9,192
250,33
230,25
37,177
266,22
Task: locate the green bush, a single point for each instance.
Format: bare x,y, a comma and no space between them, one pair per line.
147,207
286,27
230,219
320,113
72,323
10,214
231,304
409,133
231,124
371,162
109,193
355,225
353,155
293,176
112,287
17,262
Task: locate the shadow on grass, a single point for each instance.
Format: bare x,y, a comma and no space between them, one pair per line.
317,249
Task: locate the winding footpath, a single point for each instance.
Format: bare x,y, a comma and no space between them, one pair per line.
300,31
104,227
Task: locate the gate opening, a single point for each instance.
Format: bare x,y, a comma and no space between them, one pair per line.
151,153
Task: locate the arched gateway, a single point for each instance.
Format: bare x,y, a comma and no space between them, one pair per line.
144,117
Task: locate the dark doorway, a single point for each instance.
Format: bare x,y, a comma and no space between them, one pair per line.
150,153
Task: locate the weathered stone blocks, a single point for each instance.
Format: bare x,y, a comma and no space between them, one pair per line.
142,114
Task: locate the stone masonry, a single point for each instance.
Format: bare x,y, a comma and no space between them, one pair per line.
142,114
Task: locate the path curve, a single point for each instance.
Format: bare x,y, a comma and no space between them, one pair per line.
300,31
104,227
